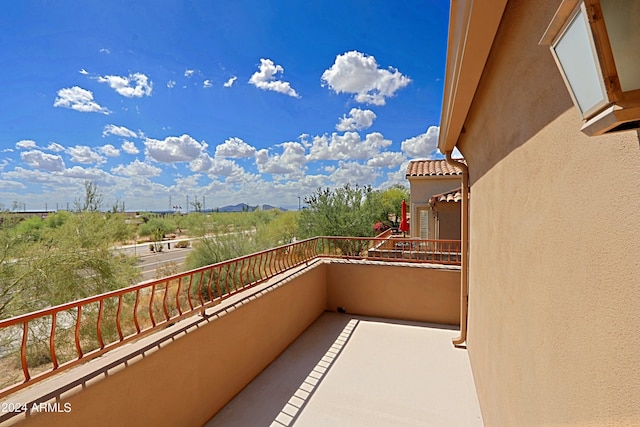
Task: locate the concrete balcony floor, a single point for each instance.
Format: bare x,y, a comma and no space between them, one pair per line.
347,370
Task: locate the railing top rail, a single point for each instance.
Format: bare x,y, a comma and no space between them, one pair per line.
190,296
118,292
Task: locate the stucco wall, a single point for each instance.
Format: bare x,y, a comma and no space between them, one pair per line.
421,190
554,244
396,292
448,220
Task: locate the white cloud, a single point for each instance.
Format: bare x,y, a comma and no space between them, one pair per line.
137,168
225,167
230,82
216,166
11,185
207,84
347,146
171,84
40,160
423,145
119,131
79,172
189,73
135,85
129,147
26,144
174,149
398,177
235,148
265,79
105,50
290,162
109,150
353,173
202,163
84,154
76,98
387,159
358,119
55,147
357,73
83,72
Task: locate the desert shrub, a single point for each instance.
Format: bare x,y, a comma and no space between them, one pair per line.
183,244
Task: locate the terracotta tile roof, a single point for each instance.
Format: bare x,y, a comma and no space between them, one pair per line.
431,168
454,195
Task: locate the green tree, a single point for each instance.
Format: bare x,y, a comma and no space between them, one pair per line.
280,229
345,211
391,204
70,261
157,228
222,247
30,229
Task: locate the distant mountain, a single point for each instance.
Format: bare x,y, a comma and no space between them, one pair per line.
243,207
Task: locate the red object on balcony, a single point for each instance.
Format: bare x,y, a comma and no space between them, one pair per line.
404,224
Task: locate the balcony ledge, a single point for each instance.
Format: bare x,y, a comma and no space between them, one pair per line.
310,284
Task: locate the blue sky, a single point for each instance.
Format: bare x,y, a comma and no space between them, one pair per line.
231,101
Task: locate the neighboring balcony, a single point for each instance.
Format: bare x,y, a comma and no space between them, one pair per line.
346,318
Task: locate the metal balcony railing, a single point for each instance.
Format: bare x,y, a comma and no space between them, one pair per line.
37,345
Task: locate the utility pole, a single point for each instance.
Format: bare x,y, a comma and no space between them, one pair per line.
187,203
204,204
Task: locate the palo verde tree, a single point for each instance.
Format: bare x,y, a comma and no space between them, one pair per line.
157,229
345,211
70,257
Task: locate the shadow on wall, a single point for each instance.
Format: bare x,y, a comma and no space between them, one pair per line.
521,91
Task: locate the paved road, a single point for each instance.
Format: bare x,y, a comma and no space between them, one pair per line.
149,262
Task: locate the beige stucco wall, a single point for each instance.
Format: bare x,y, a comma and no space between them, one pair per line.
448,220
554,287
421,189
396,292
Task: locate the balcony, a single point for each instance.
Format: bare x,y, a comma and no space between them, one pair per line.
286,328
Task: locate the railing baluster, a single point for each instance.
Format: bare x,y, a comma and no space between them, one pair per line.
178,296
118,312
77,332
135,311
165,309
189,291
209,287
99,324
268,269
23,351
52,340
218,289
153,294
200,286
